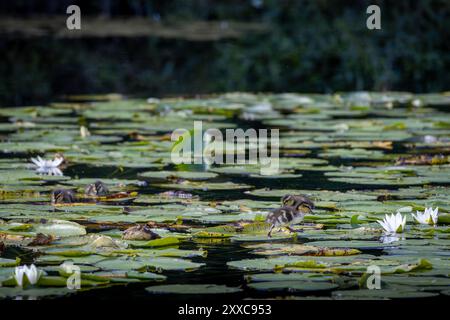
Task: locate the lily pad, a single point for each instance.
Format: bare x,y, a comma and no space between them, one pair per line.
192,289
293,286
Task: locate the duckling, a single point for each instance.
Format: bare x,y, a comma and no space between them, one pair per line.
294,209
63,196
97,189
139,232
41,240
284,216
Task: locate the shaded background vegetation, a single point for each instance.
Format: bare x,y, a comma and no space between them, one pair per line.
307,46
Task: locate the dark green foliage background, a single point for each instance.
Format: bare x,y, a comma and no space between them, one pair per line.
312,46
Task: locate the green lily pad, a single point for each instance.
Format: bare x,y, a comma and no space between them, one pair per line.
381,294
174,175
293,286
192,289
60,228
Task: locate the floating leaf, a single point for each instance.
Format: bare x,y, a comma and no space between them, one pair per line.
292,286
192,289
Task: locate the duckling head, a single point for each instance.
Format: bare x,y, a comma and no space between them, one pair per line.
63,196
298,202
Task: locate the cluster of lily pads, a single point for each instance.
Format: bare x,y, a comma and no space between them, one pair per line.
367,160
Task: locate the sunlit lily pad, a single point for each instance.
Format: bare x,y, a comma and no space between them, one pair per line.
60,228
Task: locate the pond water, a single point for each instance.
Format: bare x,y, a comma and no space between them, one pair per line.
357,155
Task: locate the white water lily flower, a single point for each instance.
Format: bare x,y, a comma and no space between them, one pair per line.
18,275
33,274
48,167
429,216
393,223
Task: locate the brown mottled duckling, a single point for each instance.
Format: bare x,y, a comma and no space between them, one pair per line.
41,240
63,196
294,209
97,189
139,232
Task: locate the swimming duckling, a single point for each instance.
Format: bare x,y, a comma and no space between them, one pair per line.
294,209
63,196
139,232
97,189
